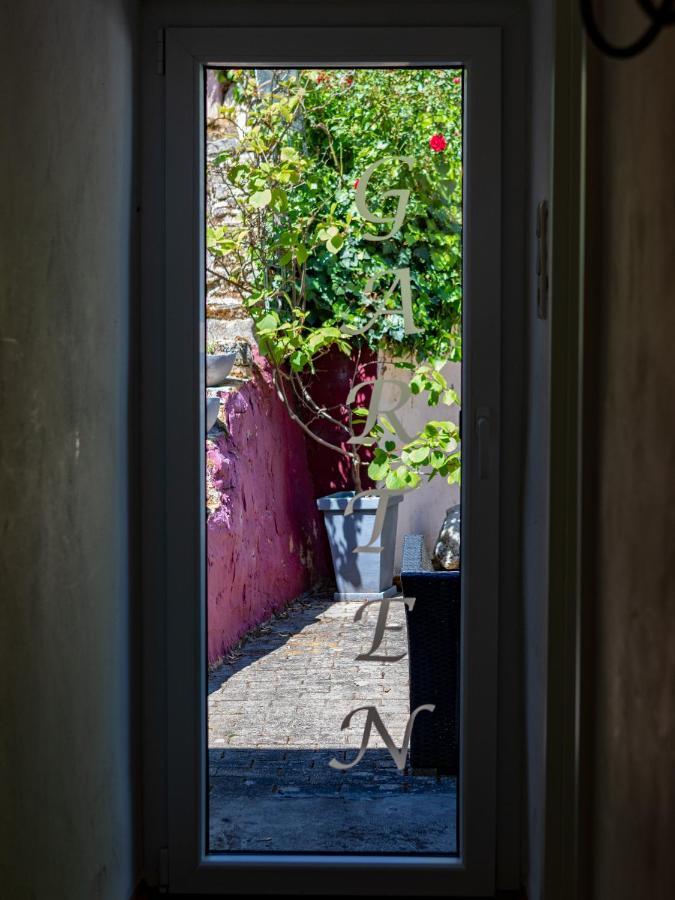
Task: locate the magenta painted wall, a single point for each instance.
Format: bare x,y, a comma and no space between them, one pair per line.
265,539
329,386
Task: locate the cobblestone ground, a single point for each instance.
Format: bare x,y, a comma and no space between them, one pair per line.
276,707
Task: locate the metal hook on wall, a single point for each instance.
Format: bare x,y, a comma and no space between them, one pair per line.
661,14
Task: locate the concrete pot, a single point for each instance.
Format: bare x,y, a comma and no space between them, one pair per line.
212,410
218,367
364,575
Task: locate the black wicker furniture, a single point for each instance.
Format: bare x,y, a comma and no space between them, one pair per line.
433,658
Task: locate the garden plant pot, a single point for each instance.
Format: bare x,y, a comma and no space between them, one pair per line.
212,410
364,575
218,367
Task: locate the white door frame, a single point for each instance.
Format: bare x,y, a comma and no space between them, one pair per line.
179,569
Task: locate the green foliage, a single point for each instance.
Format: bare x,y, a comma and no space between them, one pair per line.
298,254
434,451
307,138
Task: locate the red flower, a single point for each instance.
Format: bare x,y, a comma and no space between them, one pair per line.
356,183
349,79
437,143
457,80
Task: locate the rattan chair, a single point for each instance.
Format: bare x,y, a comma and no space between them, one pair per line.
433,658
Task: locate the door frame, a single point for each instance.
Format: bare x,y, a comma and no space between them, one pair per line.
569,651
160,427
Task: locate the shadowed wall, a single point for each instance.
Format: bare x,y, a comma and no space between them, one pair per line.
630,433
65,618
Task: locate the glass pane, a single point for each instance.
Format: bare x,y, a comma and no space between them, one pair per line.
334,299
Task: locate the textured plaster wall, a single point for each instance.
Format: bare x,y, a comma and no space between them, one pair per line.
65,281
423,510
631,440
264,534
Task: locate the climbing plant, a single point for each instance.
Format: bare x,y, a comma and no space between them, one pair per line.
299,255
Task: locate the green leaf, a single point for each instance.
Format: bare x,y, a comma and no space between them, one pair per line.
315,341
378,471
327,232
299,360
402,478
289,154
260,199
394,481
334,244
450,397
419,454
268,322
437,459
279,199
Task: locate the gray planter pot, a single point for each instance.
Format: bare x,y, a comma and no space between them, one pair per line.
218,367
212,410
360,576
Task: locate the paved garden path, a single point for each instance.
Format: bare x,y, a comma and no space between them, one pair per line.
276,707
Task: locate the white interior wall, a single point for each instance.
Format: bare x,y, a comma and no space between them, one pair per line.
66,217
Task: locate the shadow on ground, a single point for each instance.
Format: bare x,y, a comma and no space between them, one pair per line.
293,801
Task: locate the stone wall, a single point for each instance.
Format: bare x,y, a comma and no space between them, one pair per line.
228,325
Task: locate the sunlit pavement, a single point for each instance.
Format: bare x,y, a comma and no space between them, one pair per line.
276,707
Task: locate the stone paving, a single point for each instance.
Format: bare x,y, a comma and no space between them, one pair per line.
276,707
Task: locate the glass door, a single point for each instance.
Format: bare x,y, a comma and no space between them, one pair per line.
333,347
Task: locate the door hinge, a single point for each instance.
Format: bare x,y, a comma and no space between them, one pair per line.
163,870
160,51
